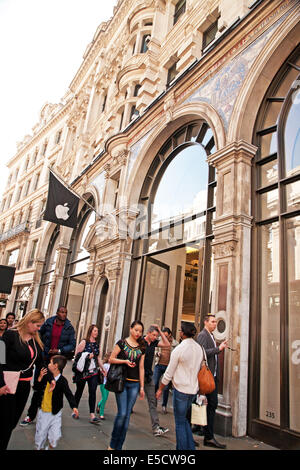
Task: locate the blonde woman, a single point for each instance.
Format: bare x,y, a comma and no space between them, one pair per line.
23,351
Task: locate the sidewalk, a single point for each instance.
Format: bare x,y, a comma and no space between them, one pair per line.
82,435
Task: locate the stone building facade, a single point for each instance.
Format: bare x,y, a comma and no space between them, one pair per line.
181,129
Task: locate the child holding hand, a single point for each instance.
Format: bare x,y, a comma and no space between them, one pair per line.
51,391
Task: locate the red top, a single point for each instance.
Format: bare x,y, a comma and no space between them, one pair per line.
56,332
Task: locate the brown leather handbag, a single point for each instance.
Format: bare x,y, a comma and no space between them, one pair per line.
206,380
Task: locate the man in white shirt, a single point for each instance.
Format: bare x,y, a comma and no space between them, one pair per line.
183,371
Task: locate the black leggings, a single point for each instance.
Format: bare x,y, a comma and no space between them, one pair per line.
11,409
92,384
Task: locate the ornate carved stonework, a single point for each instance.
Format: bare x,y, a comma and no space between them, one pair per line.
169,107
223,250
89,277
114,269
99,267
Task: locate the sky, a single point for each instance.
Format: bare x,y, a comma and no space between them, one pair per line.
42,43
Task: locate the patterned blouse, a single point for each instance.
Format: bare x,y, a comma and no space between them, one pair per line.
134,355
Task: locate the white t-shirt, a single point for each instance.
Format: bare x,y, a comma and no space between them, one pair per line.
184,366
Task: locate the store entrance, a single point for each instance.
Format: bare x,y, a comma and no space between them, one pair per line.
172,286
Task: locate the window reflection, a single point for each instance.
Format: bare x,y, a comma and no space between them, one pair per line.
177,234
49,272
270,325
81,251
173,233
269,204
268,144
278,266
183,188
293,196
268,173
292,136
293,241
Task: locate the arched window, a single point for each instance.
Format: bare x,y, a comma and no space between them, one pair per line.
79,256
170,275
275,307
77,265
48,272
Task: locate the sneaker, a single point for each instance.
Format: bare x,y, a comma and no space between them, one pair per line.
26,421
95,420
164,410
159,431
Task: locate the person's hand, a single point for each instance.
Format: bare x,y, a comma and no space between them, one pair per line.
53,351
91,355
52,385
142,394
158,394
75,411
4,390
223,345
129,363
43,372
202,399
104,372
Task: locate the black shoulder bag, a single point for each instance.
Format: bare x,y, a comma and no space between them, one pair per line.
116,377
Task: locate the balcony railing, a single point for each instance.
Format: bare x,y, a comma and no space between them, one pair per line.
17,230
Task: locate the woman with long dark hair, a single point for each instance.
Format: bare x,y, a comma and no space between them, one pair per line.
130,352
23,348
3,326
89,349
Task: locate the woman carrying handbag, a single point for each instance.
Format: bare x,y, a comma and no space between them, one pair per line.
23,351
89,349
130,353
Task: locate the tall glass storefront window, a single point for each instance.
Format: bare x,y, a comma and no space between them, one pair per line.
276,266
48,272
170,275
77,266
293,245
270,324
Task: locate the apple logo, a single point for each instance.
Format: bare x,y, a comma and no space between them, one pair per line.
61,212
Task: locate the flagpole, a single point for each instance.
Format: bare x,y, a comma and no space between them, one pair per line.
74,192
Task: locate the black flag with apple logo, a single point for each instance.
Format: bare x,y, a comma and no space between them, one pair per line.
62,204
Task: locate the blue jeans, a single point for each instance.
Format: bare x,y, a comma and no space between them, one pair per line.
184,436
159,370
125,402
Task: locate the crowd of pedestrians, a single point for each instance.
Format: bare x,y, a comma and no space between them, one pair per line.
37,352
